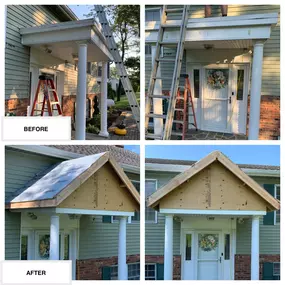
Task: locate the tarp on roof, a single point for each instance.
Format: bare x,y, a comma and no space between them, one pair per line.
56,180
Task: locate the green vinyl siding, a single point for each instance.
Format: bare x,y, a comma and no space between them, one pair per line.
106,237
21,167
12,235
271,55
17,56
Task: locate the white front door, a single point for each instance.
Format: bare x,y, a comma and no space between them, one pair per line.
216,99
206,255
224,98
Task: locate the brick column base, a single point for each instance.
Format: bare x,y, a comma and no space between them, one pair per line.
91,269
242,264
160,259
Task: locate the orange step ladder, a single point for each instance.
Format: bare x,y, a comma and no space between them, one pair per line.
46,84
181,113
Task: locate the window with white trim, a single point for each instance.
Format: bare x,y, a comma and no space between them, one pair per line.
150,188
277,196
133,271
150,272
276,269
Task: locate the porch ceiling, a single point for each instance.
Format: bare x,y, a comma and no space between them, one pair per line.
213,185
222,32
61,40
94,182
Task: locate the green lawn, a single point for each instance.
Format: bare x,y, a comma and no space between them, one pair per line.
123,104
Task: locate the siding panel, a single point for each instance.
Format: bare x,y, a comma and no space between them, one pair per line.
12,235
19,16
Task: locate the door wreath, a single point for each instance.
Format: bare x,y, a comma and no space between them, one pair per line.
217,78
208,242
44,246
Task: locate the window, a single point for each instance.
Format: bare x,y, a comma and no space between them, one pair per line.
24,247
196,77
277,196
150,272
114,272
240,83
227,247
147,49
133,272
136,217
152,15
188,246
150,188
89,66
276,269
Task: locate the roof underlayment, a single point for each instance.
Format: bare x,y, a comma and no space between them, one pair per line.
57,179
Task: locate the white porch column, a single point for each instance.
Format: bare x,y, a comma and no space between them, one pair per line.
255,248
73,252
255,93
81,93
54,238
168,248
157,103
31,245
103,101
122,250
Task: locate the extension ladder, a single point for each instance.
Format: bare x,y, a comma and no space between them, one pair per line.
50,97
181,113
161,42
119,63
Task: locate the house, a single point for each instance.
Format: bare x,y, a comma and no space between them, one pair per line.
51,40
243,48
78,203
211,220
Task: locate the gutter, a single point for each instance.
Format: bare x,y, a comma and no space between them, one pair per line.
68,12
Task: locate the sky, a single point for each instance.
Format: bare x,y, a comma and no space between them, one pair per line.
133,148
247,154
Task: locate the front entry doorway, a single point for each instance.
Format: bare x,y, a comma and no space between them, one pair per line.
208,254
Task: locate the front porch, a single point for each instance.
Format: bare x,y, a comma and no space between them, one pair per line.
211,200
52,207
75,42
232,46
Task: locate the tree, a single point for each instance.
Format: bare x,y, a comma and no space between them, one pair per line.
133,66
125,23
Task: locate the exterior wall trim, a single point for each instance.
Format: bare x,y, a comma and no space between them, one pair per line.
93,212
212,212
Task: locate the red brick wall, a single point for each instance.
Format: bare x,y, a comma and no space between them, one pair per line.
17,106
242,264
91,269
269,127
160,259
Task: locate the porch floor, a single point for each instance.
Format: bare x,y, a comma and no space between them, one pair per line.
206,135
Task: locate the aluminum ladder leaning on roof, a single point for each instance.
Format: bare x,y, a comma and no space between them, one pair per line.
119,64
149,112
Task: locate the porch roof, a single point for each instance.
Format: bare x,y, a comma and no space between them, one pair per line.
61,40
218,32
252,197
62,182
